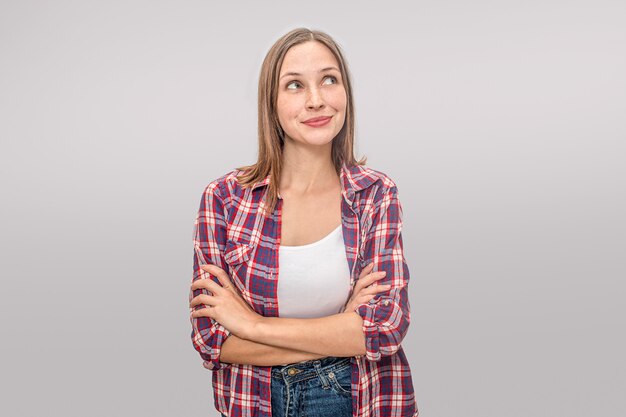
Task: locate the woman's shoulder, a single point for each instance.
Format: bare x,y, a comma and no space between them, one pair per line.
367,176
224,184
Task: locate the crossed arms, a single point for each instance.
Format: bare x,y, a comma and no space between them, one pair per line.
372,330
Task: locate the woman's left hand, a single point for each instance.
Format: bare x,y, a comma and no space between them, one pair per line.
226,305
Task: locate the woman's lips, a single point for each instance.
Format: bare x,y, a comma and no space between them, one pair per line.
318,121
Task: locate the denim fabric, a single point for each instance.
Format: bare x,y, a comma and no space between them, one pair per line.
315,388
319,387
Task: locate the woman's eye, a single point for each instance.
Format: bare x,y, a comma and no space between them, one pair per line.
333,79
292,85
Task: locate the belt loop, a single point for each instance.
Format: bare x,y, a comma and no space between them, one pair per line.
318,369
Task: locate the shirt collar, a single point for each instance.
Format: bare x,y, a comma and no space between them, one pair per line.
354,178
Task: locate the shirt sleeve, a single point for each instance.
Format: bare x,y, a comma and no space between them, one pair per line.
209,242
386,317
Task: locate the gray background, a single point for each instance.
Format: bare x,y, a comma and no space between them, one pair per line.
501,122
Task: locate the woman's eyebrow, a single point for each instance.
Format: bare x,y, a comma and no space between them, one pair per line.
297,73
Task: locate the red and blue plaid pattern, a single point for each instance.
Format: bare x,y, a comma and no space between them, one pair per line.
231,232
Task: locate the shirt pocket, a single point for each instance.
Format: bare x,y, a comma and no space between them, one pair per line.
236,254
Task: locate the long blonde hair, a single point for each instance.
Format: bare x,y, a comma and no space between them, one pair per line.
270,133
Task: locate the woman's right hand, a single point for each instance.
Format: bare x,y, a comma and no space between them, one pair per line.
366,287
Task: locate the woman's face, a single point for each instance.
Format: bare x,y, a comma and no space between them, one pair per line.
311,102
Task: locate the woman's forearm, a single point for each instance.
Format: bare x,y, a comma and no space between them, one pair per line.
248,352
336,335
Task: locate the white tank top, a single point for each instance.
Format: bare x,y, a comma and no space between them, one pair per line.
313,279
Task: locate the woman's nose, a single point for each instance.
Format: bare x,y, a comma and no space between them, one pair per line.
314,99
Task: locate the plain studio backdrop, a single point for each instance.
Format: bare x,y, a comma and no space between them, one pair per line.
502,123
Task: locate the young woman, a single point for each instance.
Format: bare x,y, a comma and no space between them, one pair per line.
299,296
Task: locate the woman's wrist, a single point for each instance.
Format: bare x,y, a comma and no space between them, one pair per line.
254,328
245,352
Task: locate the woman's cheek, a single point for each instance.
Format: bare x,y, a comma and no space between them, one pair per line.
338,100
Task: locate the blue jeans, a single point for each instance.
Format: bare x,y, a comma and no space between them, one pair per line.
319,388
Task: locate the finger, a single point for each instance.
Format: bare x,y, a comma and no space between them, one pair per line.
208,300
207,284
366,273
376,276
369,279
365,299
202,312
361,299
375,289
221,275
366,269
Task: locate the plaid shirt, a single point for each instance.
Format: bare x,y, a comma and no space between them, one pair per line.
232,233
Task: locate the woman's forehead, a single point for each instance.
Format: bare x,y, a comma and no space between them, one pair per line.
308,57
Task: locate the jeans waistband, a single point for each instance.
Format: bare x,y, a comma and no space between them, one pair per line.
308,369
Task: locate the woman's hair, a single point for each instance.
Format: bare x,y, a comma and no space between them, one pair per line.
271,133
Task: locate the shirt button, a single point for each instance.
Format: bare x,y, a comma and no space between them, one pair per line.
386,302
